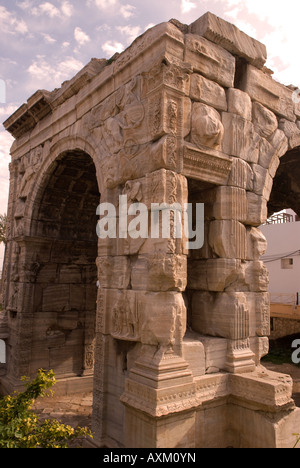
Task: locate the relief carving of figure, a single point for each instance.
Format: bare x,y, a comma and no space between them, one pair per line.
125,323
113,123
28,170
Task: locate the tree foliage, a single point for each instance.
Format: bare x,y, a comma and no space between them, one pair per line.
20,426
3,222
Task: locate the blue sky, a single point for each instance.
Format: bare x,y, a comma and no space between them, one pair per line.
43,43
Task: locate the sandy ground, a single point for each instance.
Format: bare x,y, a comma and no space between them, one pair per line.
73,410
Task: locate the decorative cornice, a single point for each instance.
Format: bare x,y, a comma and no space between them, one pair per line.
206,164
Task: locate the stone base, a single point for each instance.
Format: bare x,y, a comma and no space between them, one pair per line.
252,410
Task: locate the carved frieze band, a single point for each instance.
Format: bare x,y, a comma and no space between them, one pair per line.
206,165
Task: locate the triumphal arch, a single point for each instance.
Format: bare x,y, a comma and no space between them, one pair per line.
169,337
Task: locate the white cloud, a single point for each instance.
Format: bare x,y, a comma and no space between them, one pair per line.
67,9
187,6
127,11
149,26
49,75
48,39
132,32
6,111
111,47
46,8
103,28
277,27
80,36
103,4
25,5
10,23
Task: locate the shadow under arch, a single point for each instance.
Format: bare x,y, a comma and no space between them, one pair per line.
282,256
61,247
286,185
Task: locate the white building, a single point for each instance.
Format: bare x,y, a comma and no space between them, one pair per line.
283,256
283,262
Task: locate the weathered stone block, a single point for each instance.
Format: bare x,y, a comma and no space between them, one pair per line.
56,297
230,38
167,113
210,60
77,297
256,276
228,239
212,275
207,128
260,348
256,244
222,314
262,309
280,142
70,274
175,75
240,138
208,92
162,40
268,92
159,273
194,354
263,182
267,153
260,177
265,121
257,209
215,353
226,203
241,175
291,130
114,272
48,273
157,319
239,103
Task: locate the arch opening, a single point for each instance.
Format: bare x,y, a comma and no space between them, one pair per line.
286,186
282,258
63,243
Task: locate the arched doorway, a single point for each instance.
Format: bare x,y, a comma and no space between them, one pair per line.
282,258
286,185
62,248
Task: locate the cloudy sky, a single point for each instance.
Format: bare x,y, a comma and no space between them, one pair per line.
43,43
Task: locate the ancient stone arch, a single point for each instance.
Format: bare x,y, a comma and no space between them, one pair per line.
187,114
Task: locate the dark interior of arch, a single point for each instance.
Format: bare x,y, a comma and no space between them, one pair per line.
286,186
68,205
65,255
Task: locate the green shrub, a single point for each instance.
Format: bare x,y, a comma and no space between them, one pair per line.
20,427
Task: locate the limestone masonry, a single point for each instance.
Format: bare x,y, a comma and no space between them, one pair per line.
171,340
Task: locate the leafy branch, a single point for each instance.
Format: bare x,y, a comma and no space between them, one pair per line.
20,426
